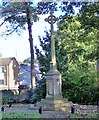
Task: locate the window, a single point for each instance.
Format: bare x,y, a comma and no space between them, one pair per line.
1,82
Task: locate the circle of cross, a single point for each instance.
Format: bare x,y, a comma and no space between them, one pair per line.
51,19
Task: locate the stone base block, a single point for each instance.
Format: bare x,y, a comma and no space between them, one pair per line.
55,105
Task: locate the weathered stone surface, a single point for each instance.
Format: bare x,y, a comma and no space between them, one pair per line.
51,104
54,100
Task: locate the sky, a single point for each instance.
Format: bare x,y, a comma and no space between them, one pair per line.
18,46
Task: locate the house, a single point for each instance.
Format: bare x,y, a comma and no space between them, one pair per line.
25,74
9,73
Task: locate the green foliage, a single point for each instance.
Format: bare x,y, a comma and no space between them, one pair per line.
90,16
16,15
46,7
44,58
81,47
28,60
39,92
6,96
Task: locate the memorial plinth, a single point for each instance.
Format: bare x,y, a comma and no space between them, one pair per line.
54,100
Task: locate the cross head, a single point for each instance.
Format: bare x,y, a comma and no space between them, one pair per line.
51,19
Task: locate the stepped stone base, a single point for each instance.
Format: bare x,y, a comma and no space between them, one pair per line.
54,104
54,100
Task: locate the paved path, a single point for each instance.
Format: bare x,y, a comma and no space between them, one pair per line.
86,109
55,114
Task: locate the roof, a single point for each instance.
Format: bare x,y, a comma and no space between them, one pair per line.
27,67
6,61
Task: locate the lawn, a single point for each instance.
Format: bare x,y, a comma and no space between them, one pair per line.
37,116
92,116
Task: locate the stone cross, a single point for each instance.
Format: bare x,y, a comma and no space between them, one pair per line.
51,20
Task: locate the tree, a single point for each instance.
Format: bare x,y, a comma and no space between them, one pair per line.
91,19
28,60
44,58
80,46
17,15
31,45
89,15
76,53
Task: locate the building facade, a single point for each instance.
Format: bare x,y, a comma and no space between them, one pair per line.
9,73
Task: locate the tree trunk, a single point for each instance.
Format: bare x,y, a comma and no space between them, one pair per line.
29,23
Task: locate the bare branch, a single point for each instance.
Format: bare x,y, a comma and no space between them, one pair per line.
13,30
2,23
6,20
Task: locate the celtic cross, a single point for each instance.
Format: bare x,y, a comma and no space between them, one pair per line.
51,20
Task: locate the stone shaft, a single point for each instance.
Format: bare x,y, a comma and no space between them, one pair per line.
51,20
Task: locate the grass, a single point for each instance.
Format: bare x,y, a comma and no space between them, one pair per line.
90,115
37,116
0,116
